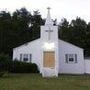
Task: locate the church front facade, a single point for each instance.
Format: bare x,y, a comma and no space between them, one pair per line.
52,56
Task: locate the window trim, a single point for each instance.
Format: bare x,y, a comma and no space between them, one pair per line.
68,56
25,55
30,57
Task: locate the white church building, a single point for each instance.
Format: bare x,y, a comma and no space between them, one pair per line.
52,55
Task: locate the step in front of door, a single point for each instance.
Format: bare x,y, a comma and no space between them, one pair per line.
49,72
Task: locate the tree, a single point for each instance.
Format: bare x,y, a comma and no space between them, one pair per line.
78,28
22,27
64,29
5,31
87,48
5,62
36,22
15,30
75,32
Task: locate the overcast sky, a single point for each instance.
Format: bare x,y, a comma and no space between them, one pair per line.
59,8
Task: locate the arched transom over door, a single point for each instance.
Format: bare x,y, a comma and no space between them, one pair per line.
49,59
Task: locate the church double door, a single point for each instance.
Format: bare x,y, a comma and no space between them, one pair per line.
49,59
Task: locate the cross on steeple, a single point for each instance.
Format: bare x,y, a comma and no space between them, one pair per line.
49,9
49,33
48,19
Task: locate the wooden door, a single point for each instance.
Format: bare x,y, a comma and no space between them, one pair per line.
49,59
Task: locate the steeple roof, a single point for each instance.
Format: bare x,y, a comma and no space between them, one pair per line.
48,19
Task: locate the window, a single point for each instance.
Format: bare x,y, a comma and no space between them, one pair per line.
26,57
71,58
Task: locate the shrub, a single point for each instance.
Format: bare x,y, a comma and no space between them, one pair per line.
5,63
23,67
8,65
1,74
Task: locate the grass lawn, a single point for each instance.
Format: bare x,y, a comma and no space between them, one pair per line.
36,82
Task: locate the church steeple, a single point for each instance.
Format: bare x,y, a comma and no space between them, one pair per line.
49,31
48,19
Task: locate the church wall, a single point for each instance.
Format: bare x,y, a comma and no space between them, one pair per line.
33,48
87,66
49,42
70,68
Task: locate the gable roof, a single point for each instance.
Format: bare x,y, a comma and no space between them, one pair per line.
25,44
70,44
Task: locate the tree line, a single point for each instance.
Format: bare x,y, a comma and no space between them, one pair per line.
21,26
18,28
76,32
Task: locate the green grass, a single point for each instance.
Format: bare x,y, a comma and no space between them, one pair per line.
36,82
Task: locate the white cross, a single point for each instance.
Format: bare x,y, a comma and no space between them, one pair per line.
49,33
48,8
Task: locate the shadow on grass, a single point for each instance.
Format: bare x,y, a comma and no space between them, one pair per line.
34,75
20,75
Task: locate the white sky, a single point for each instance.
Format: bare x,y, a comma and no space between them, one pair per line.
60,8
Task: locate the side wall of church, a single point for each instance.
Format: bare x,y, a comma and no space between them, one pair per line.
33,48
70,67
87,65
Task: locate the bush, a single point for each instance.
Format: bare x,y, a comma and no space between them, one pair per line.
23,67
1,74
8,65
5,62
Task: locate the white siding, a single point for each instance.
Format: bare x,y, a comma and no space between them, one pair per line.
36,49
30,48
87,66
70,68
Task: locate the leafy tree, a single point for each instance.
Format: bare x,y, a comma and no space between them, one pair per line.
78,28
5,62
5,31
36,22
64,29
15,29
22,27
75,32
